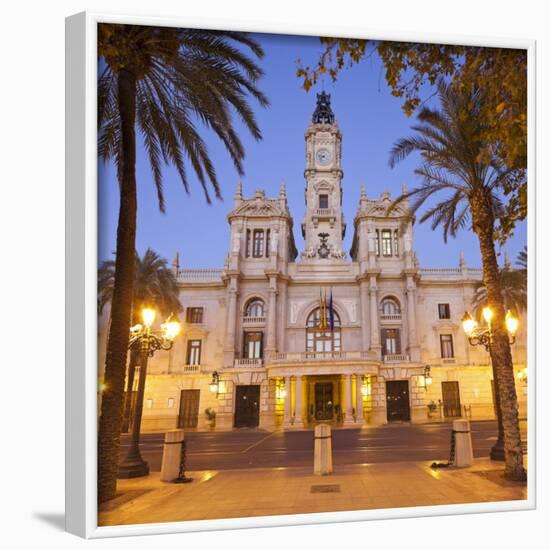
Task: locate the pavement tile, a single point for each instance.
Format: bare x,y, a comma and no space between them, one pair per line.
267,492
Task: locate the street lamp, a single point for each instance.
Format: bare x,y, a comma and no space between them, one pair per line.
483,336
146,341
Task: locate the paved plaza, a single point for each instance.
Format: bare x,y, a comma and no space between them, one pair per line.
217,494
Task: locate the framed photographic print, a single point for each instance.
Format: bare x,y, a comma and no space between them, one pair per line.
300,283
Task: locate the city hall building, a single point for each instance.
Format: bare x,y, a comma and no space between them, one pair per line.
256,348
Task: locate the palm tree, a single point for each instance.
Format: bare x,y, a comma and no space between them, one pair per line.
514,291
450,144
154,285
165,82
521,260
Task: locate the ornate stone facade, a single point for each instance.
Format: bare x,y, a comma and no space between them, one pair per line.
258,329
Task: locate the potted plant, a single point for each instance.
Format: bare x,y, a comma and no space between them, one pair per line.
432,407
210,417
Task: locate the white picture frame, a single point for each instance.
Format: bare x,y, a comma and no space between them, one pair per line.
81,276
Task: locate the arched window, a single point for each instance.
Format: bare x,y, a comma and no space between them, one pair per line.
390,306
322,340
255,308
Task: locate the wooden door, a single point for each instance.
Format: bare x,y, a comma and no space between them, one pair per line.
247,406
451,399
324,401
397,400
189,409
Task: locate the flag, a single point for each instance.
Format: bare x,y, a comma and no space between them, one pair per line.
322,310
331,312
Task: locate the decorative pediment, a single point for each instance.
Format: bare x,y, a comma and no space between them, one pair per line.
323,186
379,208
259,207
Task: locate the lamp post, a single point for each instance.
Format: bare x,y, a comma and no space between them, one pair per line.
146,342
483,336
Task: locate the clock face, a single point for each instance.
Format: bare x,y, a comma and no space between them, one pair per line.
323,156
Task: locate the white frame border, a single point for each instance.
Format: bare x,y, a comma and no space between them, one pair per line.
81,276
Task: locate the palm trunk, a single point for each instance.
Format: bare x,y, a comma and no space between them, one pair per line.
483,224
134,361
110,420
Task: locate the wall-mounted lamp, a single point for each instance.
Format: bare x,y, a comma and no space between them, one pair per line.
215,383
427,377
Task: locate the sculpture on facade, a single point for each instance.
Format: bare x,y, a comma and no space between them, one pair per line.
309,252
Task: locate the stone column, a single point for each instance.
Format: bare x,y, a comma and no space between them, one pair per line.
230,324
281,334
374,330
358,400
411,319
271,345
298,413
288,402
364,290
349,400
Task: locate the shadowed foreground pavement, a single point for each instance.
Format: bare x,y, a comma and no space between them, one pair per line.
241,493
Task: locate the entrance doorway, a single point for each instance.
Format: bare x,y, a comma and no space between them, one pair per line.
247,406
397,399
451,399
324,401
189,409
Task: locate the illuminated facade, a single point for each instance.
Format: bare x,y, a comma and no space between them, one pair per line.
256,321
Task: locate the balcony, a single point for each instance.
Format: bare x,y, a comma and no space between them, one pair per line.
248,363
312,356
250,320
185,369
396,358
391,317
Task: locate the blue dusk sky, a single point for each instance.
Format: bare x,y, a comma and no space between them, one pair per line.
370,119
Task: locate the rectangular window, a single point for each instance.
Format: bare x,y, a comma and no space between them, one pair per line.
391,341
194,315
396,242
386,242
194,352
446,341
258,243
444,311
267,242
377,242
248,244
253,345
323,201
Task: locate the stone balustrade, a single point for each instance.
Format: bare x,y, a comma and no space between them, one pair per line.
199,275
250,320
246,362
310,356
390,317
396,358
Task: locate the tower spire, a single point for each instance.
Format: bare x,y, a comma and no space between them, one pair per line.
238,197
323,111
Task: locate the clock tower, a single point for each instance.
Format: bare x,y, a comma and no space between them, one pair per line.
323,227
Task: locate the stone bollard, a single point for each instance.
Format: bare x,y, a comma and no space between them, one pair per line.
171,454
323,450
464,455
